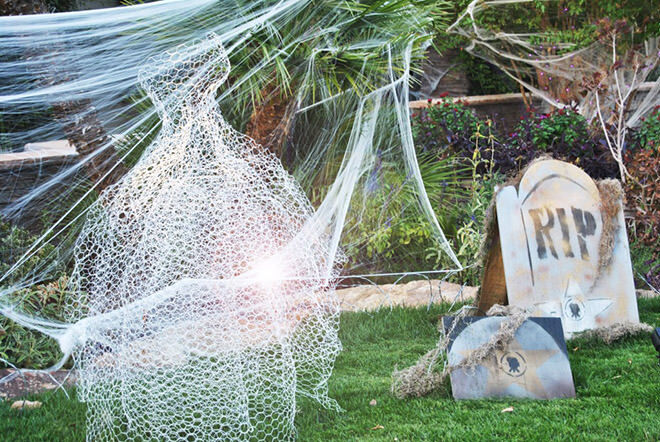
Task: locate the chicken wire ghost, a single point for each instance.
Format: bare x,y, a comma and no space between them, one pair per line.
205,298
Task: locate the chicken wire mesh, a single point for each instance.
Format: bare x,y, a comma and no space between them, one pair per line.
198,319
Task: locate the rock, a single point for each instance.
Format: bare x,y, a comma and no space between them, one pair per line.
411,294
19,405
641,293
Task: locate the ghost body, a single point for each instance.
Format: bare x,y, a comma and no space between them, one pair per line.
205,341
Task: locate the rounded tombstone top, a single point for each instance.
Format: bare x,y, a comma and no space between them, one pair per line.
560,176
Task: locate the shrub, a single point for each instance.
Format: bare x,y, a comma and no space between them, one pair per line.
647,136
451,129
643,198
643,193
564,134
563,127
643,190
20,346
27,348
446,124
454,129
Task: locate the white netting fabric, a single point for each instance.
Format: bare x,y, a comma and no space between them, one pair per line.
203,305
609,74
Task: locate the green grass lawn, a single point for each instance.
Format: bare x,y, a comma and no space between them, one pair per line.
618,390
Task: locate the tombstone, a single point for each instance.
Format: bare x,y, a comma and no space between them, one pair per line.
550,230
534,364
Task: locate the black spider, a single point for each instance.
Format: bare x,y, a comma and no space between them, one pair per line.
575,310
514,365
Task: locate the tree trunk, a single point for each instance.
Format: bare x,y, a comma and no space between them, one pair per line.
271,122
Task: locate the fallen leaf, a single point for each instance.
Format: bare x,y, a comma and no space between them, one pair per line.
616,377
630,361
507,410
576,348
378,427
373,403
25,404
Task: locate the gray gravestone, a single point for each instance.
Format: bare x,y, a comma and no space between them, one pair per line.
533,365
550,230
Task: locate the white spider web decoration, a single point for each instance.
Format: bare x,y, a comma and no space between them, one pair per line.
200,295
558,71
201,284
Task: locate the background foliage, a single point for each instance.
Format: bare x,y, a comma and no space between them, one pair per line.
567,21
23,347
20,346
452,130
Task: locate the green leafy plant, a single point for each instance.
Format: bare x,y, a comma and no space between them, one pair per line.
20,346
386,230
25,348
451,128
14,242
565,135
647,136
558,127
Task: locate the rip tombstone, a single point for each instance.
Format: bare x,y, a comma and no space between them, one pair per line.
552,231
